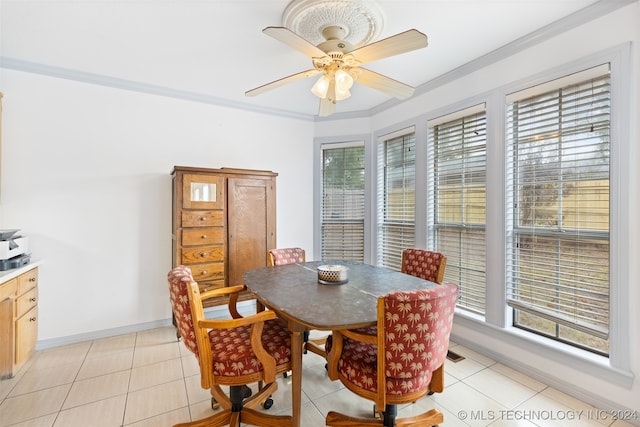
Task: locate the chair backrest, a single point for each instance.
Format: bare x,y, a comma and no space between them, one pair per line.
414,344
427,265
179,279
284,256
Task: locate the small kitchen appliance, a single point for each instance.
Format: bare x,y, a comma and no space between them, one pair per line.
13,250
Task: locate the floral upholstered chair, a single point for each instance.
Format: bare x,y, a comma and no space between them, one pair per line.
234,352
283,256
403,362
427,265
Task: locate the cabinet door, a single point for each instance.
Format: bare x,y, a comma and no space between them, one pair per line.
202,191
26,336
251,225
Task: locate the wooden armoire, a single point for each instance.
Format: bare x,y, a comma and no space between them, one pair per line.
224,222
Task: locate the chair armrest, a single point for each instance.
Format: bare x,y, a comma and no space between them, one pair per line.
218,292
365,338
232,291
234,323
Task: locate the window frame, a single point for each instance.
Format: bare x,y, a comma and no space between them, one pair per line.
383,257
434,224
568,123
338,142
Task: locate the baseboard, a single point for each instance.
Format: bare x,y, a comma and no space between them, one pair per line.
244,307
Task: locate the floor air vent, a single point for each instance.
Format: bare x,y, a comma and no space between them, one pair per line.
454,357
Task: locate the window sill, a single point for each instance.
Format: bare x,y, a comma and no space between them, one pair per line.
589,363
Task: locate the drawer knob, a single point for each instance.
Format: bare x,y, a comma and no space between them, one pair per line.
32,319
203,218
202,254
32,279
204,272
204,236
32,299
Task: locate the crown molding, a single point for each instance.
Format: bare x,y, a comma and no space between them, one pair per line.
136,86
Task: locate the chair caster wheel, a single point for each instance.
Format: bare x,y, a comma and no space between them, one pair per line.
285,375
214,404
246,392
430,393
268,403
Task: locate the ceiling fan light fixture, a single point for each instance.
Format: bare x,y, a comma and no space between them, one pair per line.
344,81
321,87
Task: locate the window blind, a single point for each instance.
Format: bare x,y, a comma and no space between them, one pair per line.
458,144
558,200
343,202
396,198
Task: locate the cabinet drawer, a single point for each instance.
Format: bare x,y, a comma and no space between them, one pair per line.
26,302
8,289
202,236
202,254
202,219
27,281
207,272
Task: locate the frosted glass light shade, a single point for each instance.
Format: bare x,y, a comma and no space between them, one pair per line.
344,81
321,87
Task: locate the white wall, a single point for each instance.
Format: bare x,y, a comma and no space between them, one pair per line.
86,176
606,33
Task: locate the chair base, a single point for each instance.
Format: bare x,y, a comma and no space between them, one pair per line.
238,410
429,418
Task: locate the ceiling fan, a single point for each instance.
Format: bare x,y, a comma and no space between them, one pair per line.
340,62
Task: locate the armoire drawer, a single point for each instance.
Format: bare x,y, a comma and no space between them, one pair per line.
202,218
206,272
196,254
202,236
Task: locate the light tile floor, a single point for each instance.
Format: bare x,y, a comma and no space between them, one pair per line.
150,379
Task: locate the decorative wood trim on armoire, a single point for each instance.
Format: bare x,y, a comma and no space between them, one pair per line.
224,222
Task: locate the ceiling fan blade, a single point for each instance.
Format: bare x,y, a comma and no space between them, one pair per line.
281,82
327,108
383,83
394,45
293,40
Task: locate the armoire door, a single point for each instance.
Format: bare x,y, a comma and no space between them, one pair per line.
251,225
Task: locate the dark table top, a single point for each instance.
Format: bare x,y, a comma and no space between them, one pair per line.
294,292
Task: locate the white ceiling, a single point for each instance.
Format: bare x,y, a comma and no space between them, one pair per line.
215,50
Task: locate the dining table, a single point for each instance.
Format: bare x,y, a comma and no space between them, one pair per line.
295,293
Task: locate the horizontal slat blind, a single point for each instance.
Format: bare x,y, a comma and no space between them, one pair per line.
558,195
396,198
459,202
343,202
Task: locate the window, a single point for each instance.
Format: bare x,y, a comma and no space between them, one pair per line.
342,211
558,204
458,143
396,198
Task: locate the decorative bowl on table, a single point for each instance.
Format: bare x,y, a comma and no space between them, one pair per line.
332,274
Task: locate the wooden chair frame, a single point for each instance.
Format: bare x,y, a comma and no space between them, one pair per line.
235,409
380,398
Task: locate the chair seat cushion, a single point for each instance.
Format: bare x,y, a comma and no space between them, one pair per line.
231,348
358,364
